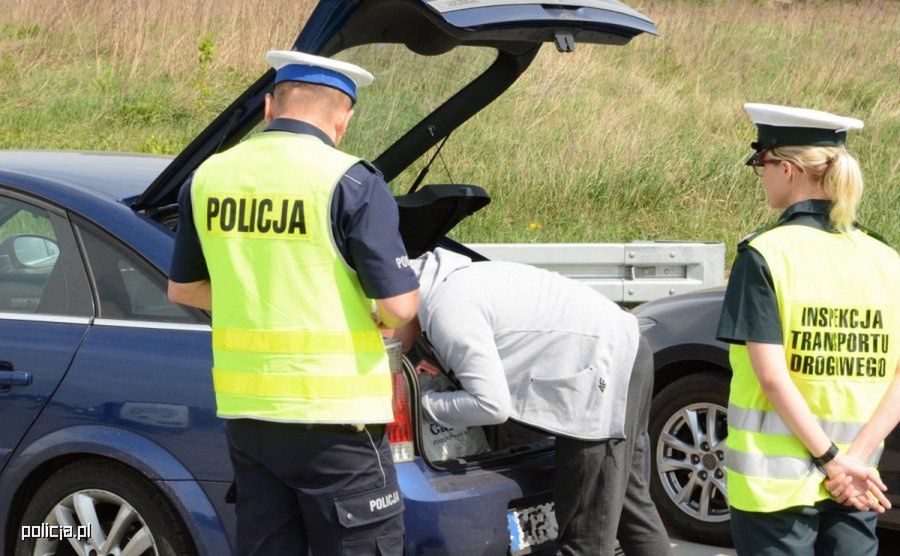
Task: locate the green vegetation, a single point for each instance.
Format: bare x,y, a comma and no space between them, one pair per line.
645,141
26,223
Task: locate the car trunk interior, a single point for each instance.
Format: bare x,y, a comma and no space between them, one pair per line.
429,213
444,448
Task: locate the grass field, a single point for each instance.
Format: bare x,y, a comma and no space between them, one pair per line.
606,144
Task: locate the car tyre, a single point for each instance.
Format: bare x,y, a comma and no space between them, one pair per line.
125,506
687,438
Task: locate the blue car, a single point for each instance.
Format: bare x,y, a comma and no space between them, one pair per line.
108,429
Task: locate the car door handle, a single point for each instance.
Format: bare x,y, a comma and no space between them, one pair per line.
15,378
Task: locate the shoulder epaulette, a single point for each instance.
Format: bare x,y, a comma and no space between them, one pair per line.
361,175
743,243
371,168
872,234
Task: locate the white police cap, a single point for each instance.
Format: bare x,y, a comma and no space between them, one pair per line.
290,65
787,126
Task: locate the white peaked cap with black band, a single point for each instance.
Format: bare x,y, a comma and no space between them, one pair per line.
290,65
787,126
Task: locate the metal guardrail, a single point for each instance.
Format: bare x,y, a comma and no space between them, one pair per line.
624,272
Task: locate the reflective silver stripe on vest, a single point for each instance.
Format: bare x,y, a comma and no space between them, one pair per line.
779,467
769,422
771,467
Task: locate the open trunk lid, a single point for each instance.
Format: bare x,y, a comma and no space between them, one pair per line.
516,28
547,15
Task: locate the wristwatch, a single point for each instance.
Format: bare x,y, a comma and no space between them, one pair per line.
829,455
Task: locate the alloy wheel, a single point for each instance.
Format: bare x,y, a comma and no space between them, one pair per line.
114,527
690,460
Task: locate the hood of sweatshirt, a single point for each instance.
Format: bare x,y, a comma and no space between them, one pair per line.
432,269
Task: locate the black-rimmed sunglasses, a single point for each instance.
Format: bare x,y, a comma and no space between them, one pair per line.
759,163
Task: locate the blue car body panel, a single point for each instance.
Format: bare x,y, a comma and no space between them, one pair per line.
20,406
173,406
325,21
466,511
116,175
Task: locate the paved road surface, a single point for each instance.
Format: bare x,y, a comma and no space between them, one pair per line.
685,548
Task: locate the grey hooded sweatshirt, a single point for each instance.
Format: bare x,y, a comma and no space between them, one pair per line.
525,344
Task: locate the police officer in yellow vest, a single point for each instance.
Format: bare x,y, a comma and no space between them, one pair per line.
287,240
811,312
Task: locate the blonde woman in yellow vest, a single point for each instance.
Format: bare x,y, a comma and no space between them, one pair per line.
289,240
811,313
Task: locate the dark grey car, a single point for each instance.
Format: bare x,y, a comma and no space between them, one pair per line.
688,422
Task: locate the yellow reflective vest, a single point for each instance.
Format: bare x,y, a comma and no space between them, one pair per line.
293,340
838,302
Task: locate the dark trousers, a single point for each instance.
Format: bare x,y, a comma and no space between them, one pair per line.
825,529
314,489
601,493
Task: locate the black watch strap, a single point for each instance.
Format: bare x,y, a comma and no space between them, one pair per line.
829,455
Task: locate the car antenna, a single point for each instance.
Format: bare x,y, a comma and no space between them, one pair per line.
424,171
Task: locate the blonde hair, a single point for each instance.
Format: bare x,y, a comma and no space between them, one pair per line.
836,171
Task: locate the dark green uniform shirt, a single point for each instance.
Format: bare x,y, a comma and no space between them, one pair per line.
750,310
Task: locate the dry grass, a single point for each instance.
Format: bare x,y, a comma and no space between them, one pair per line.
155,38
645,141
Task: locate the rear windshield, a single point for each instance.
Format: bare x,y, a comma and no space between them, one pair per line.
407,87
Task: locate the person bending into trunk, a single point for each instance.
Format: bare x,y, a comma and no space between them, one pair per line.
530,345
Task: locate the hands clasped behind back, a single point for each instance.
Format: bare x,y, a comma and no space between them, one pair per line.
852,483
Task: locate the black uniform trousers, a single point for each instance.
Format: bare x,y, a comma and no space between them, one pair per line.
314,489
823,529
601,492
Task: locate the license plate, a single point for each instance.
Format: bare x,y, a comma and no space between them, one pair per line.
531,528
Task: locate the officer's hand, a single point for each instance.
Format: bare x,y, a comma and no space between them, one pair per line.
852,476
876,497
852,483
844,493
842,490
